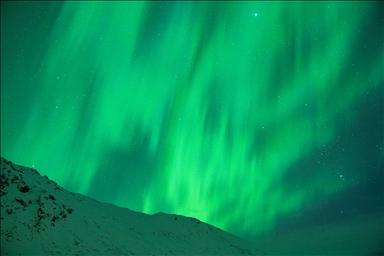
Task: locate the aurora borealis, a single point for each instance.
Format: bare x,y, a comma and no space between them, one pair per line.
247,122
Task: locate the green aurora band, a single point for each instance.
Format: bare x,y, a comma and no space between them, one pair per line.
196,108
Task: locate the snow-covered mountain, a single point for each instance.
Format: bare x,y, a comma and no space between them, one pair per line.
40,217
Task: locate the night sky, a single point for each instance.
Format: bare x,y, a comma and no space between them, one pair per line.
262,118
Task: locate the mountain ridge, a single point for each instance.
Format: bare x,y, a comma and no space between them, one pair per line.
40,217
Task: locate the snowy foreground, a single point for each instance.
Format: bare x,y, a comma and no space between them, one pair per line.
39,217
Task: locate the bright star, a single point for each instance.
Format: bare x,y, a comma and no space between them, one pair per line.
255,14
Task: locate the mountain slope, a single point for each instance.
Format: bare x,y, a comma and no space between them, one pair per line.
40,217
